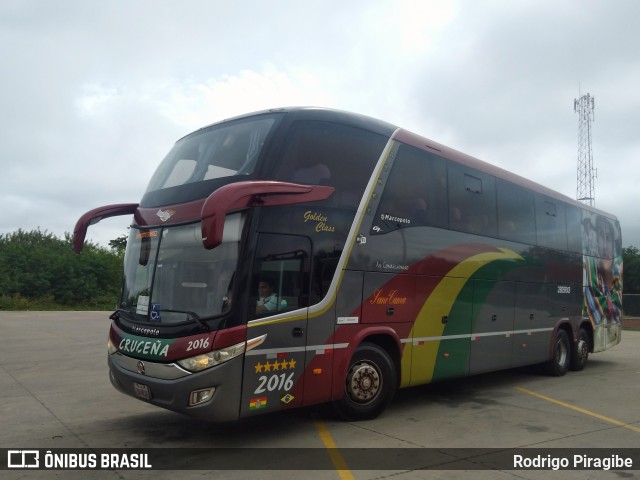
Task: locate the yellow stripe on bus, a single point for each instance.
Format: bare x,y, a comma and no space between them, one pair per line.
419,363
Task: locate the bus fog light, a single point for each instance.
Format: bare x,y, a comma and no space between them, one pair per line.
198,397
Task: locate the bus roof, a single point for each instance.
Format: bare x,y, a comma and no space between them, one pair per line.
318,114
410,138
426,144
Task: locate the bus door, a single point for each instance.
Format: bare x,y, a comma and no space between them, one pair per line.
278,310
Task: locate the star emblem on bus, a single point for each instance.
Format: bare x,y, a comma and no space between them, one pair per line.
284,364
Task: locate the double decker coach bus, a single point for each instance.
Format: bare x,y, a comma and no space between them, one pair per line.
299,256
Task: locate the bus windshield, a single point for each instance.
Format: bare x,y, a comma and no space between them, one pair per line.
215,152
170,278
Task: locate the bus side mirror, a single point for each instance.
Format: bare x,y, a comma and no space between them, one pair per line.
94,216
263,193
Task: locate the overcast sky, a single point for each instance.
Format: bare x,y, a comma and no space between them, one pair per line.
94,93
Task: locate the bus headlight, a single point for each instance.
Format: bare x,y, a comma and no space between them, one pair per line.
211,359
111,348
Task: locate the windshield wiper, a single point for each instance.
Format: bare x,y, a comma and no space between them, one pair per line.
190,316
119,311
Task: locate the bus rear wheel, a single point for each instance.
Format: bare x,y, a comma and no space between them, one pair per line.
561,356
580,351
369,385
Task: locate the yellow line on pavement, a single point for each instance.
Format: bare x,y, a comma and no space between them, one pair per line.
336,458
581,410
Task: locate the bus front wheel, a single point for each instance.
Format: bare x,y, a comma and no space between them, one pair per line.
558,365
369,385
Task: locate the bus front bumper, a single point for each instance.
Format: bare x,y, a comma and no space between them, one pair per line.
213,394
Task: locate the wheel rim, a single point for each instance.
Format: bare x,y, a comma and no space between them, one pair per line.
583,349
561,353
364,382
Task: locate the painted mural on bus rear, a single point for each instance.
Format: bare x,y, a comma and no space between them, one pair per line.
301,256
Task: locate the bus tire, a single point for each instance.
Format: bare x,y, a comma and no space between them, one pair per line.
369,385
558,365
580,351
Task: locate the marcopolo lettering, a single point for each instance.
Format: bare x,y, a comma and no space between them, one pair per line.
385,217
145,331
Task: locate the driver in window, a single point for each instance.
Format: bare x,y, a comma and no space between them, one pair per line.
267,297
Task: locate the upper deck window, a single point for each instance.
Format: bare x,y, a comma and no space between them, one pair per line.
219,151
326,153
415,193
472,201
516,213
551,223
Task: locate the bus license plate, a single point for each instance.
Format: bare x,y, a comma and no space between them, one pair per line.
142,391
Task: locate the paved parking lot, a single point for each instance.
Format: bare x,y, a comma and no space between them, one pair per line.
55,393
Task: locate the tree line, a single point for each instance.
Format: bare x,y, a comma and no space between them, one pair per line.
39,270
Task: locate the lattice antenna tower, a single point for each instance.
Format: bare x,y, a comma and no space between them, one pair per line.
585,192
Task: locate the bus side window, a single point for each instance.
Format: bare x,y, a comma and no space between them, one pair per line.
551,223
415,193
280,279
516,213
472,196
574,229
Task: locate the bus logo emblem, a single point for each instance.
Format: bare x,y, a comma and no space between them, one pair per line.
140,367
165,215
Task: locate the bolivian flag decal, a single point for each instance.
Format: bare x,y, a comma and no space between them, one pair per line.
257,403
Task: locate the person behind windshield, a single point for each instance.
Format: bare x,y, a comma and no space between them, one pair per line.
267,297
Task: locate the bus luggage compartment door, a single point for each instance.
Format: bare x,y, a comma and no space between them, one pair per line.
492,326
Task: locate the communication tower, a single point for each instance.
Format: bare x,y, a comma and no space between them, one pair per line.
586,173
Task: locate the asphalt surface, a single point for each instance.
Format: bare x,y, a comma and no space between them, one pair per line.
55,394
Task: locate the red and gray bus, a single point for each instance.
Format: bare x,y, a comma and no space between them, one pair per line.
301,256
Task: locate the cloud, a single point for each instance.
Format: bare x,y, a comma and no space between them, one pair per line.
94,94
195,104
